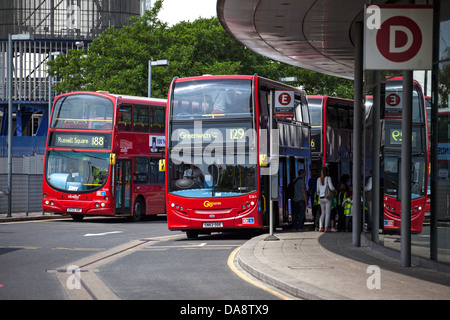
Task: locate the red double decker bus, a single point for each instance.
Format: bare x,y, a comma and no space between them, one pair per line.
102,156
233,145
391,142
331,134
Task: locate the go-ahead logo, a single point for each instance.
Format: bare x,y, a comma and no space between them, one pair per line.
208,204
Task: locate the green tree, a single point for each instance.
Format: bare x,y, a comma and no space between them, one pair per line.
117,61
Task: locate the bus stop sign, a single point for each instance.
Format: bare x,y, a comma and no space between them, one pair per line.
284,104
398,37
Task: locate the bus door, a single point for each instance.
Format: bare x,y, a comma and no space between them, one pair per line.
334,172
291,174
123,187
282,213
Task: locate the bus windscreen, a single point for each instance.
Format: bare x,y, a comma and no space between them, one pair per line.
219,98
75,171
83,111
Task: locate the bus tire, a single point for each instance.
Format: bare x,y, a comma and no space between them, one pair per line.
191,234
77,217
138,210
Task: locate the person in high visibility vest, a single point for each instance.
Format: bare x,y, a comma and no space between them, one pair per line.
317,199
347,204
343,194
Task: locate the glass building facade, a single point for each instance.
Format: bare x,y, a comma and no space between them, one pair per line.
57,26
64,19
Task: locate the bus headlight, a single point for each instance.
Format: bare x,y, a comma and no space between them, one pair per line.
177,207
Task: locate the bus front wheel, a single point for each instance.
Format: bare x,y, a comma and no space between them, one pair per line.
77,217
191,234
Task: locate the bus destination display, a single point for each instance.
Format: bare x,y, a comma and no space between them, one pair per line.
206,133
80,140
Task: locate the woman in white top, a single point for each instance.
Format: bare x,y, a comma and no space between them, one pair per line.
325,204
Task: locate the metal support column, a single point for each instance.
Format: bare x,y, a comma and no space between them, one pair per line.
434,133
357,135
10,132
405,170
376,109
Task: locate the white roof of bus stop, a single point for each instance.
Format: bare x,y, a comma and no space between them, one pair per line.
311,34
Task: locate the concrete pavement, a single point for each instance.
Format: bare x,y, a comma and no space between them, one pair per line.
313,265
23,216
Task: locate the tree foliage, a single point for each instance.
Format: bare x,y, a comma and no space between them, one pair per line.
117,61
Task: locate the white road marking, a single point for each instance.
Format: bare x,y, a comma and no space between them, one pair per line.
101,234
92,286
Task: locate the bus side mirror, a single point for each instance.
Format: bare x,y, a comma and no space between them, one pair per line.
162,165
112,159
263,160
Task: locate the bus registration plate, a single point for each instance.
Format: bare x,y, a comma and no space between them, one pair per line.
388,223
73,209
212,224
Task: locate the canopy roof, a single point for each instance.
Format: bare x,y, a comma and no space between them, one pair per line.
311,34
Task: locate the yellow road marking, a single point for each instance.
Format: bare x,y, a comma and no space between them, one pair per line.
205,248
245,278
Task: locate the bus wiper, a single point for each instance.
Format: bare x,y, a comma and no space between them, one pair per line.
62,155
88,155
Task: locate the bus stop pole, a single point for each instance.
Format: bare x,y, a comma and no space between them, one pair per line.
405,171
273,170
357,136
